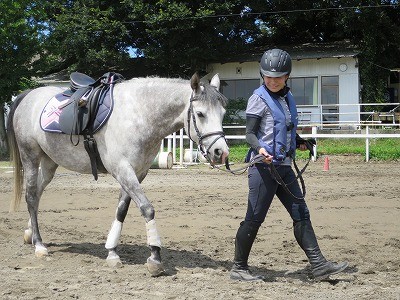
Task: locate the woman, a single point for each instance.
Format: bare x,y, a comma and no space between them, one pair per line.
271,123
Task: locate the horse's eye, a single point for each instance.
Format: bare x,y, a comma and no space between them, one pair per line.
200,114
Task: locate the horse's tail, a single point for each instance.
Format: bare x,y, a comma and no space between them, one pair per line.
15,157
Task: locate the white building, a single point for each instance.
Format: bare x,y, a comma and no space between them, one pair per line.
324,80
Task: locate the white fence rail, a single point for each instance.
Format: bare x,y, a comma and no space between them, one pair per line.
363,132
344,115
331,119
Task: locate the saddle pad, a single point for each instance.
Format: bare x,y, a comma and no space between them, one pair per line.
49,119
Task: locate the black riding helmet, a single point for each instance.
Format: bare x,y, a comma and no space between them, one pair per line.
275,63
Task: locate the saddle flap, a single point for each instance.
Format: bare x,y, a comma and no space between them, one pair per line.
73,118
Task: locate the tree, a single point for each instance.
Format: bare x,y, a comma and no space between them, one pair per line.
20,45
86,36
379,40
180,37
176,37
372,26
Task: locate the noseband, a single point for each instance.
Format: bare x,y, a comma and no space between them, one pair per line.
201,138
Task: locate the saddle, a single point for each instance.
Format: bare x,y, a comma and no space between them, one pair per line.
78,114
86,96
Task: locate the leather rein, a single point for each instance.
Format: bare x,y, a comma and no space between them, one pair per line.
259,158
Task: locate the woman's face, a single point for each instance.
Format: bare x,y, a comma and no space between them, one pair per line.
275,84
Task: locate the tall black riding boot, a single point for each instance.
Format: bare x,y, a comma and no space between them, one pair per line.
321,268
245,237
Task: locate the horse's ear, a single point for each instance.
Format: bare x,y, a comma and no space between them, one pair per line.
195,82
215,82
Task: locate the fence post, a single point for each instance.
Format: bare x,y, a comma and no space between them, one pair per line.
181,146
174,147
314,132
367,144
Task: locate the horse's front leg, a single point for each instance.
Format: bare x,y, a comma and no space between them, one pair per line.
154,264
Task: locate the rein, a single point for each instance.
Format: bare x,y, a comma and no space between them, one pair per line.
259,158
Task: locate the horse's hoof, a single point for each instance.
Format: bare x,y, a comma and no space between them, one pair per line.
41,251
113,259
28,236
155,267
114,263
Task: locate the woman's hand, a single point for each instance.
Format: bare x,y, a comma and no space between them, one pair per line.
303,147
268,157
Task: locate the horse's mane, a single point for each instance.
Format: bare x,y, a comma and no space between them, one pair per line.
209,93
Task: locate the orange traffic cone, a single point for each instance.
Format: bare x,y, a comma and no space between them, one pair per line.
326,163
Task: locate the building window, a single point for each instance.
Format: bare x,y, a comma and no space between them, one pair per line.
304,90
238,92
239,89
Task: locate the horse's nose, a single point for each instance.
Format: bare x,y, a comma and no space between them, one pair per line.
221,154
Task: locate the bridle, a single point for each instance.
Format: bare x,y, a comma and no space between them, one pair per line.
219,134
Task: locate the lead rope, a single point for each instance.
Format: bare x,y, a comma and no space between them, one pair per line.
259,158
280,181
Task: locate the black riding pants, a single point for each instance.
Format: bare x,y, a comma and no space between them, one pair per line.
262,189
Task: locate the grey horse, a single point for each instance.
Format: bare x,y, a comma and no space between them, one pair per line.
145,111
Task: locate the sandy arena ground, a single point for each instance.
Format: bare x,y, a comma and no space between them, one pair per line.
355,209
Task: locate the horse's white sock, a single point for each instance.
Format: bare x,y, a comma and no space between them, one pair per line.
114,235
153,239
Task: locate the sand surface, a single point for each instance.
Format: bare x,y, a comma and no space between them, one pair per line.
355,209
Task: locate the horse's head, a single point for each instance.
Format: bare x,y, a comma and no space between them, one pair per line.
203,122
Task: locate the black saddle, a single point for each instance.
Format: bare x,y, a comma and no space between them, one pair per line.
86,95
78,115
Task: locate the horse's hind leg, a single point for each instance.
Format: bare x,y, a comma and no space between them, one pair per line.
36,181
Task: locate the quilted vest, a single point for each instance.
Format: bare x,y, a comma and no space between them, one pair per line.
278,147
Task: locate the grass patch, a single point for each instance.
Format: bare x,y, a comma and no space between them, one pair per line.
5,164
379,149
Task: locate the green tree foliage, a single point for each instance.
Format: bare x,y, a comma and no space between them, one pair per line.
20,46
86,36
379,42
182,36
372,26
178,37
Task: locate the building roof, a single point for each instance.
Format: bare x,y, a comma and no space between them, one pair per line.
299,52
